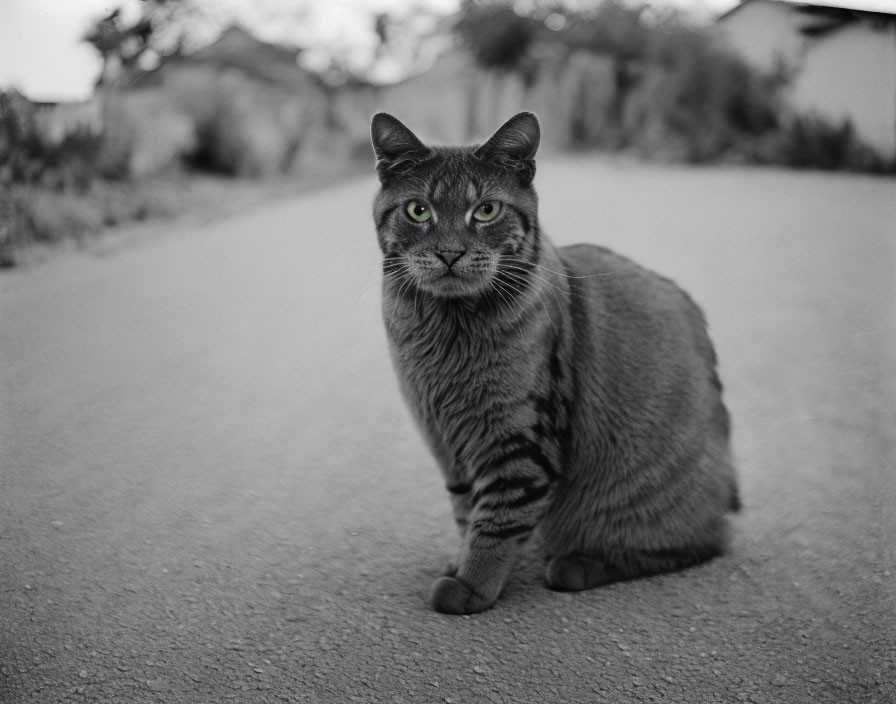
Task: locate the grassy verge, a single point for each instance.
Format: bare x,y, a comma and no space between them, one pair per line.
37,222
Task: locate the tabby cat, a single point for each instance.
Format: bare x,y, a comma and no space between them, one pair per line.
568,394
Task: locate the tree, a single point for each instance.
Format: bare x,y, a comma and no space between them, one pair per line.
161,30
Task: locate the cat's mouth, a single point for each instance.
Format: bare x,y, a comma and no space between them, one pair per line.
452,283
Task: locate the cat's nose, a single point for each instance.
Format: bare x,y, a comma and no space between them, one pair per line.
450,256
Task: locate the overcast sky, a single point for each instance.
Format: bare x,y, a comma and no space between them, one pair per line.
42,55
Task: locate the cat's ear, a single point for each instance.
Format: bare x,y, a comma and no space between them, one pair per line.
394,145
514,145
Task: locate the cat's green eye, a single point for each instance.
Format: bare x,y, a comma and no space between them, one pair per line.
487,211
418,212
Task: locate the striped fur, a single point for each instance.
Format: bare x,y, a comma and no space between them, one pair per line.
569,396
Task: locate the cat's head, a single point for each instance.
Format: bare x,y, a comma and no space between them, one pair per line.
452,220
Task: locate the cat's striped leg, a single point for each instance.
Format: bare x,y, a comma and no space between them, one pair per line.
461,505
508,501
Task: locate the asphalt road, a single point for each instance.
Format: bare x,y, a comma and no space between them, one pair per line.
211,491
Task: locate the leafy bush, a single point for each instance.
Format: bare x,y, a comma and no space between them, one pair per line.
654,85
811,142
694,101
19,142
29,154
74,163
34,214
42,215
609,28
496,35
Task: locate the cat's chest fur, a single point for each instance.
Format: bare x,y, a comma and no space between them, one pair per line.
461,369
450,353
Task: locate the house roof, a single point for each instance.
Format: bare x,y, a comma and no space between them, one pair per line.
237,48
880,7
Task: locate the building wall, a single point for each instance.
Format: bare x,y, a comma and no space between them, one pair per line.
846,74
765,33
851,74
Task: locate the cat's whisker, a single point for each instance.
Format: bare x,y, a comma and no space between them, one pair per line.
406,284
367,274
373,282
364,292
598,274
394,274
368,299
540,297
520,288
416,293
529,272
498,286
530,265
554,288
534,276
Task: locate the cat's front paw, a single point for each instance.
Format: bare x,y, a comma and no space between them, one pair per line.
452,596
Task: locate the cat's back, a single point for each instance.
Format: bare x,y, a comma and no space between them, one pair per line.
650,431
625,302
641,347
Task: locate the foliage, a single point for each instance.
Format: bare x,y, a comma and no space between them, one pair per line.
500,35
693,100
655,85
161,29
496,35
34,215
115,41
608,28
810,142
29,155
19,143
48,216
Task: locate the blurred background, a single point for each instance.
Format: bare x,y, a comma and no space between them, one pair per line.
112,112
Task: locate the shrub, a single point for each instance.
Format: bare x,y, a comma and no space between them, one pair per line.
29,154
694,101
34,214
660,87
19,142
74,163
496,35
128,203
609,28
9,222
811,142
48,216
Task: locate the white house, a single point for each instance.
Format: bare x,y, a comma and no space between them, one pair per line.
840,56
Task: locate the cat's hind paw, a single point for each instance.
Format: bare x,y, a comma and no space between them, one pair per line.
450,595
573,573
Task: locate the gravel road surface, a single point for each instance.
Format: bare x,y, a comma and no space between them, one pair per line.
210,489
